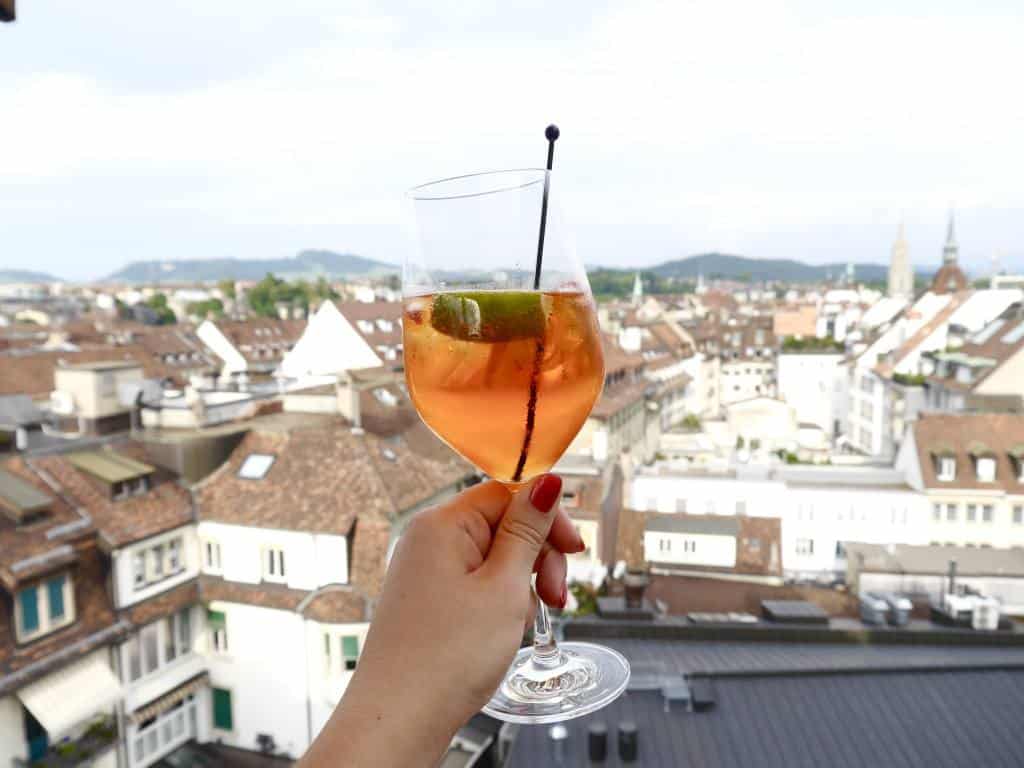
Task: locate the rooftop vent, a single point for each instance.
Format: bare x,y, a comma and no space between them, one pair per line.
597,742
559,735
628,745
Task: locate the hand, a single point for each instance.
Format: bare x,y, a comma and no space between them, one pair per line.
450,619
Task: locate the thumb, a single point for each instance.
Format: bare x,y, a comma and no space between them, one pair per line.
524,526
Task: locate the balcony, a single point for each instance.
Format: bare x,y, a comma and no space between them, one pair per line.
95,741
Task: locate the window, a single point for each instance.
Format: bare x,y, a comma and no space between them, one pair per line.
211,556
947,468
987,513
327,651
664,545
951,512
218,631
1018,514
986,469
134,659
972,513
44,607
139,569
273,564
150,637
805,547
158,562
185,631
170,641
681,506
222,717
754,545
349,651
936,512
255,466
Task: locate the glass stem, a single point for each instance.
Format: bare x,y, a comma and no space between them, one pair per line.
545,649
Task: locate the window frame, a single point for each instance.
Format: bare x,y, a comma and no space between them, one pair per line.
274,568
45,624
944,463
990,463
209,548
225,696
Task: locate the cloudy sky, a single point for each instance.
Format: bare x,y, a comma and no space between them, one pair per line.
197,129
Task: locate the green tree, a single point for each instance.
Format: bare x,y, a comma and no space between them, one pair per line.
164,314
691,421
214,307
740,442
227,288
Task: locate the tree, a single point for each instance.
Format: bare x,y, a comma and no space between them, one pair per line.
164,314
227,288
691,421
755,444
740,442
214,307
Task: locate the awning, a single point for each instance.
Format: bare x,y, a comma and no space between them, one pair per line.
165,702
66,698
978,449
943,449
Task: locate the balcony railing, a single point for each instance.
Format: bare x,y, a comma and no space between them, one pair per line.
97,739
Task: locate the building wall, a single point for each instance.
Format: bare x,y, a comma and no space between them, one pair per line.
125,593
265,669
329,345
95,393
311,560
690,549
745,379
813,385
822,514
327,681
1001,532
1008,378
12,731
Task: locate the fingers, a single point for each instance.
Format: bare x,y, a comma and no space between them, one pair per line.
563,535
551,586
524,527
530,614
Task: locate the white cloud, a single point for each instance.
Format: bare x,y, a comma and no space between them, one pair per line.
708,125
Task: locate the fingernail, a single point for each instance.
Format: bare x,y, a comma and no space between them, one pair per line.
545,493
565,595
580,546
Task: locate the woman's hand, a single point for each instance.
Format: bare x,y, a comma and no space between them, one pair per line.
450,619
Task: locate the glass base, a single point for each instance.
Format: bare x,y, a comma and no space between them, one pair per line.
580,679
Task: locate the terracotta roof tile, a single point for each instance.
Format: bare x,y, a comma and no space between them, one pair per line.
164,604
1000,432
31,373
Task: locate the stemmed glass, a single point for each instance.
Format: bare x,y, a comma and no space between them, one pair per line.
503,362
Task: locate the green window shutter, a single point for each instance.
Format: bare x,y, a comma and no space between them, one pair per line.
222,709
55,591
350,646
29,609
216,619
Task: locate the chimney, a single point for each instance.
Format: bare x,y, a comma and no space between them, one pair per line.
559,736
597,742
348,401
635,583
628,746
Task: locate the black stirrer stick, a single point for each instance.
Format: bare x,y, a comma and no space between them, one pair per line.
551,133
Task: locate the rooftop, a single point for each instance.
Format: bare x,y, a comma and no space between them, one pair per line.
935,560
1001,434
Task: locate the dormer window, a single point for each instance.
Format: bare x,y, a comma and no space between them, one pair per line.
365,326
122,476
984,461
255,466
44,607
946,468
20,501
1017,456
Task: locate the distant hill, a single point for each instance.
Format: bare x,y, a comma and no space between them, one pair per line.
26,276
722,265
308,264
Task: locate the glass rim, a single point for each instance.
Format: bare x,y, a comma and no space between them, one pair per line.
417,192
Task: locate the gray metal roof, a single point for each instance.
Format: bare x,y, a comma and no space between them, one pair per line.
713,526
18,411
20,497
906,558
673,657
951,718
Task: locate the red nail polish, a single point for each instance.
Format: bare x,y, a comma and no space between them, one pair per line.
545,493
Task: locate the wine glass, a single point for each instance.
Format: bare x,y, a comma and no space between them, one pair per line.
503,362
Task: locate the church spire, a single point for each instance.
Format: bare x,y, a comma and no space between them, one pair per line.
950,251
638,290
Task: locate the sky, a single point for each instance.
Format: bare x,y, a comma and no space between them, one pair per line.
807,130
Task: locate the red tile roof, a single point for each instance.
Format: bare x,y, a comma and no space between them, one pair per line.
957,434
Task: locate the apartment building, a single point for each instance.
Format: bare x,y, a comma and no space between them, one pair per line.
293,534
813,382
819,506
57,626
984,373
970,470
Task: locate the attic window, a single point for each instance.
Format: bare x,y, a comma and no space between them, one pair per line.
388,454
1017,454
255,466
365,326
20,501
986,467
946,468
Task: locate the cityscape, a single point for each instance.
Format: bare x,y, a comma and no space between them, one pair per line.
800,493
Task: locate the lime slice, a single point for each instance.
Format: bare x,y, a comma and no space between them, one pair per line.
489,316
